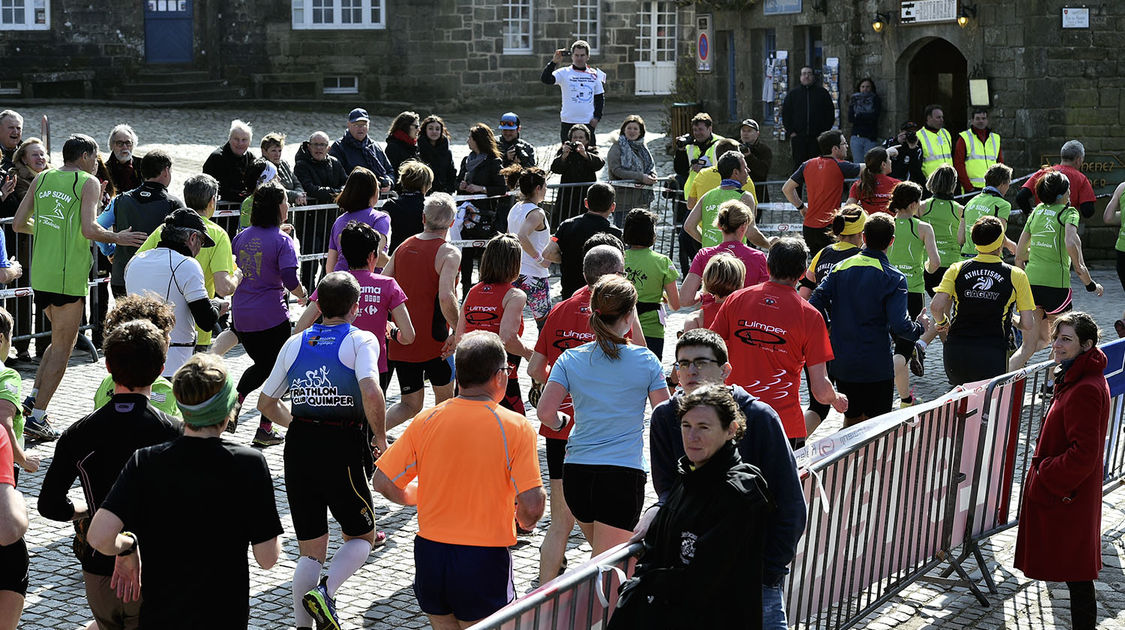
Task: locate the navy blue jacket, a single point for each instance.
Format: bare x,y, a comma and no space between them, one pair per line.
353,153
863,300
764,446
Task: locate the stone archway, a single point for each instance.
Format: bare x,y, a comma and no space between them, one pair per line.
936,71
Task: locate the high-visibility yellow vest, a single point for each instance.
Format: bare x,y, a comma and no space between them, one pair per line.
693,153
979,156
937,149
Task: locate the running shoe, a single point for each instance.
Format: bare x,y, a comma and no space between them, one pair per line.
321,606
914,400
380,539
28,406
233,424
268,438
40,430
918,361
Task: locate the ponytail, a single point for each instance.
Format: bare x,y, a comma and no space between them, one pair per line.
612,298
872,166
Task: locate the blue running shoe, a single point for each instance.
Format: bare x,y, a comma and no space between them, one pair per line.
321,606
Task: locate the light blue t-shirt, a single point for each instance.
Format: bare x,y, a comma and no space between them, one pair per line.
609,403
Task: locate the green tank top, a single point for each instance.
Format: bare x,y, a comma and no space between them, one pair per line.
60,261
1121,231
944,215
1048,262
908,253
709,210
983,205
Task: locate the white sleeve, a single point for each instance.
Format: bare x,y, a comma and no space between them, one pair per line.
599,85
189,276
277,383
361,353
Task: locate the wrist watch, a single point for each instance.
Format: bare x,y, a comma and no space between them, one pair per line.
132,548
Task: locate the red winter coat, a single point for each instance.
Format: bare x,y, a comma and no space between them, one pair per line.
1059,537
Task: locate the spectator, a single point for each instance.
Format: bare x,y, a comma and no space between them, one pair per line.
402,139
572,234
652,275
759,157
609,383
124,167
629,159
531,226
30,160
73,193
734,184
329,413
1071,158
171,273
864,109
434,152
159,314
971,160
513,148
272,145
425,266
96,448
825,177
268,260
142,210
806,113
415,180
583,88
862,300
479,175
481,458
723,275
701,357
937,144
733,220
355,148
577,162
11,135
872,191
906,166
320,174
357,201
13,550
229,163
195,483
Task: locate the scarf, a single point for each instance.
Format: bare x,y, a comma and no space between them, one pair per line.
472,161
635,155
405,137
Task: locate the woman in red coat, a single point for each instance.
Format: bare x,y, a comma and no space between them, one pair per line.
1059,536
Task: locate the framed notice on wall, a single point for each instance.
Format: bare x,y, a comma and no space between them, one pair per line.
927,11
1075,17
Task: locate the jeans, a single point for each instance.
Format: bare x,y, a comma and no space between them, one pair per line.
860,147
773,607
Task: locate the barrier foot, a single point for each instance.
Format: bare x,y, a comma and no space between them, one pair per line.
984,571
88,346
965,579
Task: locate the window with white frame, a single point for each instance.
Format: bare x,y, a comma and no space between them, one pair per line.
517,26
656,31
341,85
338,14
587,23
24,15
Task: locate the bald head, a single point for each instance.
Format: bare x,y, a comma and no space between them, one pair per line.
600,261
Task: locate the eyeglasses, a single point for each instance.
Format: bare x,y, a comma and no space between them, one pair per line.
415,126
698,364
318,145
122,143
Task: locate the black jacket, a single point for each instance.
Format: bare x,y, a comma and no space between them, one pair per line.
440,160
907,165
406,217
230,170
399,152
487,175
288,179
808,111
702,559
321,179
368,154
525,152
575,168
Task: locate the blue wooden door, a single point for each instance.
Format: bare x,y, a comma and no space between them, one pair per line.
168,31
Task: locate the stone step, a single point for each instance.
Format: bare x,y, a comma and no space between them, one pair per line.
204,93
171,75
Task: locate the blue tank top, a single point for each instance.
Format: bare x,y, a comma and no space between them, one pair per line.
322,387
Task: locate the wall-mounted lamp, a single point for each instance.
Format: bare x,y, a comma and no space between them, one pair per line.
880,22
967,12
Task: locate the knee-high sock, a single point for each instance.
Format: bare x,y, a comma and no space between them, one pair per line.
305,578
346,562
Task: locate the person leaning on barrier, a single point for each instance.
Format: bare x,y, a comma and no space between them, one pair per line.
273,144
1071,158
577,162
356,148
759,157
320,174
571,236
123,165
229,163
630,159
480,175
415,181
695,150
975,301
1060,524
709,178
709,534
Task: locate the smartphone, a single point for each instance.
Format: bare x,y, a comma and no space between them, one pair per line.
566,53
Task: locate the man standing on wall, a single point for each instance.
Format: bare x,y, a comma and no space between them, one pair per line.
807,112
583,92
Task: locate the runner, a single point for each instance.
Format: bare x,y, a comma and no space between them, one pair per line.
990,202
975,300
529,223
914,241
609,382
495,305
332,373
159,314
357,201
723,275
268,260
733,220
95,449
11,416
59,211
14,561
873,188
1112,216
652,274
701,224
944,215
1048,246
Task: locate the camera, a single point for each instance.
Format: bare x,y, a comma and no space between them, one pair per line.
912,136
573,145
743,148
683,141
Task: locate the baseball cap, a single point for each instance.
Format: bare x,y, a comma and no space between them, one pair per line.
187,218
358,114
509,121
750,122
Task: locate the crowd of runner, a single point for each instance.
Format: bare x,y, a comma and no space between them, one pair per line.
158,481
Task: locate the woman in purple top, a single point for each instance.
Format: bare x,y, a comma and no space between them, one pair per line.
357,200
267,258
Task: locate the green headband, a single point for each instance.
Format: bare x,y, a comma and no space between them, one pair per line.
213,410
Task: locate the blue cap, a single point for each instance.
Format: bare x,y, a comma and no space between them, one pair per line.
510,121
358,114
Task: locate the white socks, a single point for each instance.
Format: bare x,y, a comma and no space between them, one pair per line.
346,562
305,578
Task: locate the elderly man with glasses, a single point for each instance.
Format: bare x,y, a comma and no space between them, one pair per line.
321,175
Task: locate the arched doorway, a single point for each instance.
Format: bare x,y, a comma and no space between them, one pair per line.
939,74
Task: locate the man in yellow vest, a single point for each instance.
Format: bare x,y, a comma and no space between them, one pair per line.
937,144
977,149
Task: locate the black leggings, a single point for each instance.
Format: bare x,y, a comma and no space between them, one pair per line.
1083,606
263,347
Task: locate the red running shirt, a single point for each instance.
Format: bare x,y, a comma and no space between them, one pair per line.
416,275
484,309
567,326
1080,189
771,334
878,201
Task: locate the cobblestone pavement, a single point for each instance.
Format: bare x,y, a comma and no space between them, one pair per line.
380,595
